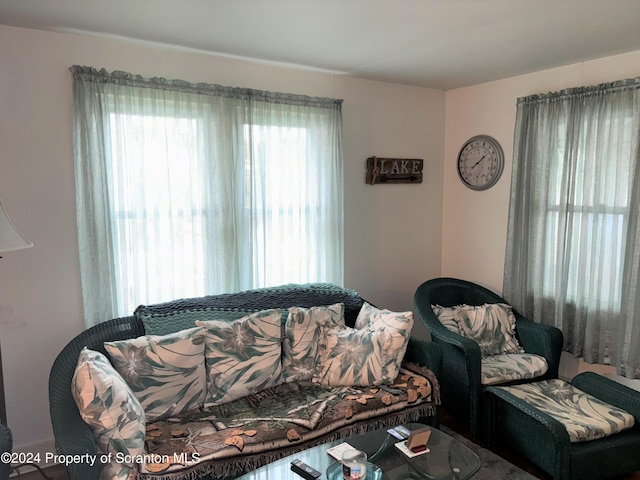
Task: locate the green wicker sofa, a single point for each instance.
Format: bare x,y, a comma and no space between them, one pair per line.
461,379
74,437
522,423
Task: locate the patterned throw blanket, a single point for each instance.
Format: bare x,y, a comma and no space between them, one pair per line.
229,439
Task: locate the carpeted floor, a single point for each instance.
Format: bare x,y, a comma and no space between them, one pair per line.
493,466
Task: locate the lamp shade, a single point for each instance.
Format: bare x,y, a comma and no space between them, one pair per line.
10,238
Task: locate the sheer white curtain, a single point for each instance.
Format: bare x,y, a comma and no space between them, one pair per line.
191,189
573,241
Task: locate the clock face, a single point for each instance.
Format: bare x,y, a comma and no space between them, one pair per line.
480,162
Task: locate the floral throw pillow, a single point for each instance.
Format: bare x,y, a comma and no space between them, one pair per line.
242,357
166,373
352,357
492,326
302,332
108,406
397,326
448,316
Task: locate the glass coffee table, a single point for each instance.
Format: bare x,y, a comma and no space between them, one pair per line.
447,459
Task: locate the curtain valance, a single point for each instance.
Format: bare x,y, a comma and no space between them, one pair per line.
581,92
91,74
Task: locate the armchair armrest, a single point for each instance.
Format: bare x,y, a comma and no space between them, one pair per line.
462,351
543,340
463,356
460,374
426,354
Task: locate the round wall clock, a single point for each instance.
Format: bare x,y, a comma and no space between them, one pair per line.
480,162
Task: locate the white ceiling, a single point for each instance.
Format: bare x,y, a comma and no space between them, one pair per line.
441,44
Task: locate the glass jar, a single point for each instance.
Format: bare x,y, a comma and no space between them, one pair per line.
354,465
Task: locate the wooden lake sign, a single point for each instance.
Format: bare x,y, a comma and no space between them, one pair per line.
394,170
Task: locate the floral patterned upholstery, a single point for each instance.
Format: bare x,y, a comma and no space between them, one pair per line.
351,357
559,427
108,405
166,373
254,430
302,331
397,326
242,356
367,355
448,317
510,367
584,416
491,325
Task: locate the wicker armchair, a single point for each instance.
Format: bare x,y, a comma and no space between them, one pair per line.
460,383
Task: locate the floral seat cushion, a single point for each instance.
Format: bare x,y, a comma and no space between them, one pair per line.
511,367
584,416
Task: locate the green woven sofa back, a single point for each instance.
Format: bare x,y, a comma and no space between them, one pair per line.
176,315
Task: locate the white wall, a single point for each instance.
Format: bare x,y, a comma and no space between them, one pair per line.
475,223
392,232
396,236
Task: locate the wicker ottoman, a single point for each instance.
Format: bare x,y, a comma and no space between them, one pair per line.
522,426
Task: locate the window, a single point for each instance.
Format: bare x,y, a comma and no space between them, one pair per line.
573,237
159,235
593,212
282,253
186,190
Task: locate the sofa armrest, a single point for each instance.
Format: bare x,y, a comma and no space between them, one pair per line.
543,340
424,353
609,391
72,435
79,440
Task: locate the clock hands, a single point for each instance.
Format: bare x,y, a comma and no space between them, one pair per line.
476,164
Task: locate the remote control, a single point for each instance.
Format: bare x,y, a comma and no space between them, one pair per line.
394,433
304,470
